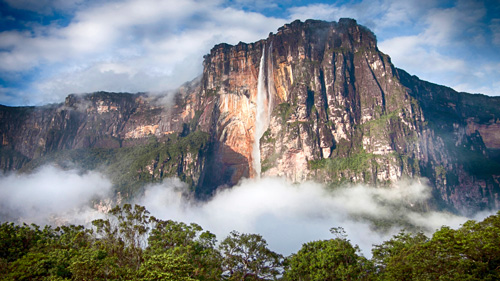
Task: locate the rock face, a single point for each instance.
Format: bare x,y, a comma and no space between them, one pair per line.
121,130
315,101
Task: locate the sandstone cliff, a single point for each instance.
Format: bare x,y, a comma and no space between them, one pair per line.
315,101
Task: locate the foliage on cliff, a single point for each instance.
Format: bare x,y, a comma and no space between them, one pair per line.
130,244
339,111
130,168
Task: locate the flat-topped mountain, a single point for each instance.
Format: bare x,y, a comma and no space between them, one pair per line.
315,101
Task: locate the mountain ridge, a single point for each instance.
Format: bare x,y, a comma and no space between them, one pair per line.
333,107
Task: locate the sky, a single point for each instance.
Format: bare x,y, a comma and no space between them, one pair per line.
52,48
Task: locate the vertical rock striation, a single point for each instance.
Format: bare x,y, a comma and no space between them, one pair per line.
341,112
315,101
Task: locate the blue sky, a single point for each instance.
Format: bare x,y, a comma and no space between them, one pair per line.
51,48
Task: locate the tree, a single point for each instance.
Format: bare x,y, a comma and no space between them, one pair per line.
334,259
167,266
133,224
95,263
170,234
195,245
246,257
387,257
124,235
471,252
52,254
17,240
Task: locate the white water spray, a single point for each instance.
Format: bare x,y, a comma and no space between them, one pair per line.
270,85
261,115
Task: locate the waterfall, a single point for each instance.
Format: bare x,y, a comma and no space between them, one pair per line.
261,115
270,85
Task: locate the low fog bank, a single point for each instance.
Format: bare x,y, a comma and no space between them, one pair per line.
286,215
54,196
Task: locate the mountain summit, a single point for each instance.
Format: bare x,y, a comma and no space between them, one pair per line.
315,101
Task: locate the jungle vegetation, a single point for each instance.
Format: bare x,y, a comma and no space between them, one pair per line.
130,244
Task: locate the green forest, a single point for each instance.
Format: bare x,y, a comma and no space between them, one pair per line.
130,244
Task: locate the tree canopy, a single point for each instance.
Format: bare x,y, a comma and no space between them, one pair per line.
132,245
333,259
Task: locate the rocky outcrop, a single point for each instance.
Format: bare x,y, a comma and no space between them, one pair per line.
314,101
338,111
463,164
340,100
140,138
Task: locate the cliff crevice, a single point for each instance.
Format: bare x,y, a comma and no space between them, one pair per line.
314,101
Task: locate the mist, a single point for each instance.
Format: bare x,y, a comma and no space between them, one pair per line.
52,196
285,214
288,215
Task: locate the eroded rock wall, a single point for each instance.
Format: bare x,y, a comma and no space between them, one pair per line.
341,113
335,111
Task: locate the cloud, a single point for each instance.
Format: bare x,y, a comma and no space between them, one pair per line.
147,45
288,215
404,50
318,11
256,4
377,15
156,45
160,63
6,96
51,195
445,43
451,47
461,24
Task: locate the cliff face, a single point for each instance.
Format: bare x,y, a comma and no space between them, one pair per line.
336,110
339,100
139,138
463,164
106,120
315,101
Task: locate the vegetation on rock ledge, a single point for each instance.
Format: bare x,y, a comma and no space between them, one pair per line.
130,168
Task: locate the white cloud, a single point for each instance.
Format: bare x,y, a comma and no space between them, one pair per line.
255,4
288,215
51,195
445,50
439,42
377,15
492,89
319,11
160,44
456,25
495,30
410,54
398,12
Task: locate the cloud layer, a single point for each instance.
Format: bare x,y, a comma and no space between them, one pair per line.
132,45
52,196
286,214
155,45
